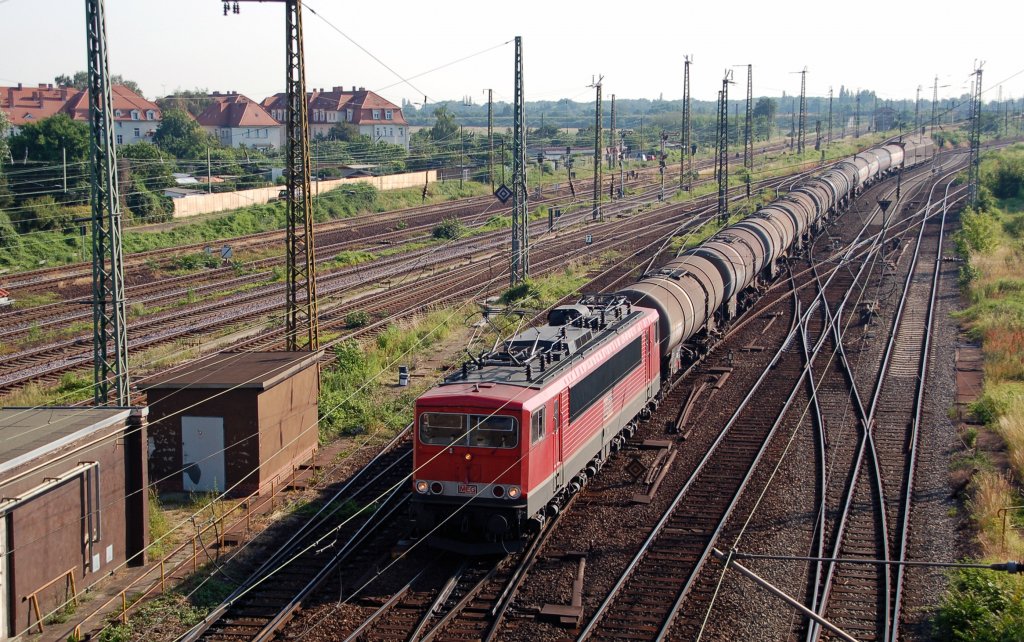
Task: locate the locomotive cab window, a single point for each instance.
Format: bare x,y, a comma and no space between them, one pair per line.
537,426
481,431
493,431
442,429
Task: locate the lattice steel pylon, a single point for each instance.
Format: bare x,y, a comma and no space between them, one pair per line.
722,142
803,112
686,159
598,160
110,334
520,263
974,167
302,328
748,146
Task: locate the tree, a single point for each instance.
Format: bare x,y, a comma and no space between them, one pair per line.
444,128
5,154
80,81
148,164
764,112
41,145
43,141
346,132
194,101
179,134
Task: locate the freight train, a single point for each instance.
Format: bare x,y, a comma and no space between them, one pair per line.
503,444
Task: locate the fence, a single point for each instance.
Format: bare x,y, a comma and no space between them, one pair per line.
207,203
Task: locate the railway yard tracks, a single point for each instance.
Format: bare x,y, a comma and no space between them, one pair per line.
828,352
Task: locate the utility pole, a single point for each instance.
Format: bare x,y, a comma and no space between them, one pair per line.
828,137
611,136
598,160
748,147
722,158
302,330
973,169
462,156
792,124
856,118
661,166
686,159
917,110
209,172
611,160
64,161
490,138
803,111
520,212
108,305
817,135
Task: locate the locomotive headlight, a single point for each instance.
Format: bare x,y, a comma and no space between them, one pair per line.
513,492
469,456
422,486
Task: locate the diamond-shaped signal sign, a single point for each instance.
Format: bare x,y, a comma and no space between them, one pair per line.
503,193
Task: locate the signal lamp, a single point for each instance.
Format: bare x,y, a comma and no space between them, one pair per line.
498,491
437,488
469,456
513,492
422,486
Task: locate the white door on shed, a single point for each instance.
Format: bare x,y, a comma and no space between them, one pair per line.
202,453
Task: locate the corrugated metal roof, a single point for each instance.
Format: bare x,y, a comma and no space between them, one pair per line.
258,370
30,433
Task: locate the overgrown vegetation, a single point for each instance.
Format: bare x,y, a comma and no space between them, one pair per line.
354,392
982,605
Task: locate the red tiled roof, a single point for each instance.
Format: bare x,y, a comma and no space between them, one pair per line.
25,105
123,99
360,101
235,110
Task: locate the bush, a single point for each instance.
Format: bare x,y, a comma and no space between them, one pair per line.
978,233
450,228
983,606
357,319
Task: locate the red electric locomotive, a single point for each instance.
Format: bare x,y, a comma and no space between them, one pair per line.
504,443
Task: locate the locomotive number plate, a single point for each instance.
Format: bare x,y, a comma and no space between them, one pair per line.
467,489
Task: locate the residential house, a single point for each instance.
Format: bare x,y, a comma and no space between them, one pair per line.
25,105
238,121
375,117
135,118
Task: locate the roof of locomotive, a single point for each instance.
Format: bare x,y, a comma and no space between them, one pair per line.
560,347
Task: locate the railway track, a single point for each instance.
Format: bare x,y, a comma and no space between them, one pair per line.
865,600
332,536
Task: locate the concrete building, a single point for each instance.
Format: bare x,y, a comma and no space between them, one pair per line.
238,121
380,119
74,505
233,421
135,118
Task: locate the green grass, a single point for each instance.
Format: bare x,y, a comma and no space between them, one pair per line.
56,248
159,526
983,605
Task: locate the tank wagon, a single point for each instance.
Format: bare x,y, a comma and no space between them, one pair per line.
503,444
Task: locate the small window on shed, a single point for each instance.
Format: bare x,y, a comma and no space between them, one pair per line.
537,426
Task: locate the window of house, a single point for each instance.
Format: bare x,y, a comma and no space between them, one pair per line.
387,114
376,114
391,132
120,139
400,134
137,132
150,115
135,115
117,113
348,115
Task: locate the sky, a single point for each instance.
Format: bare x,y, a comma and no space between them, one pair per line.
453,48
